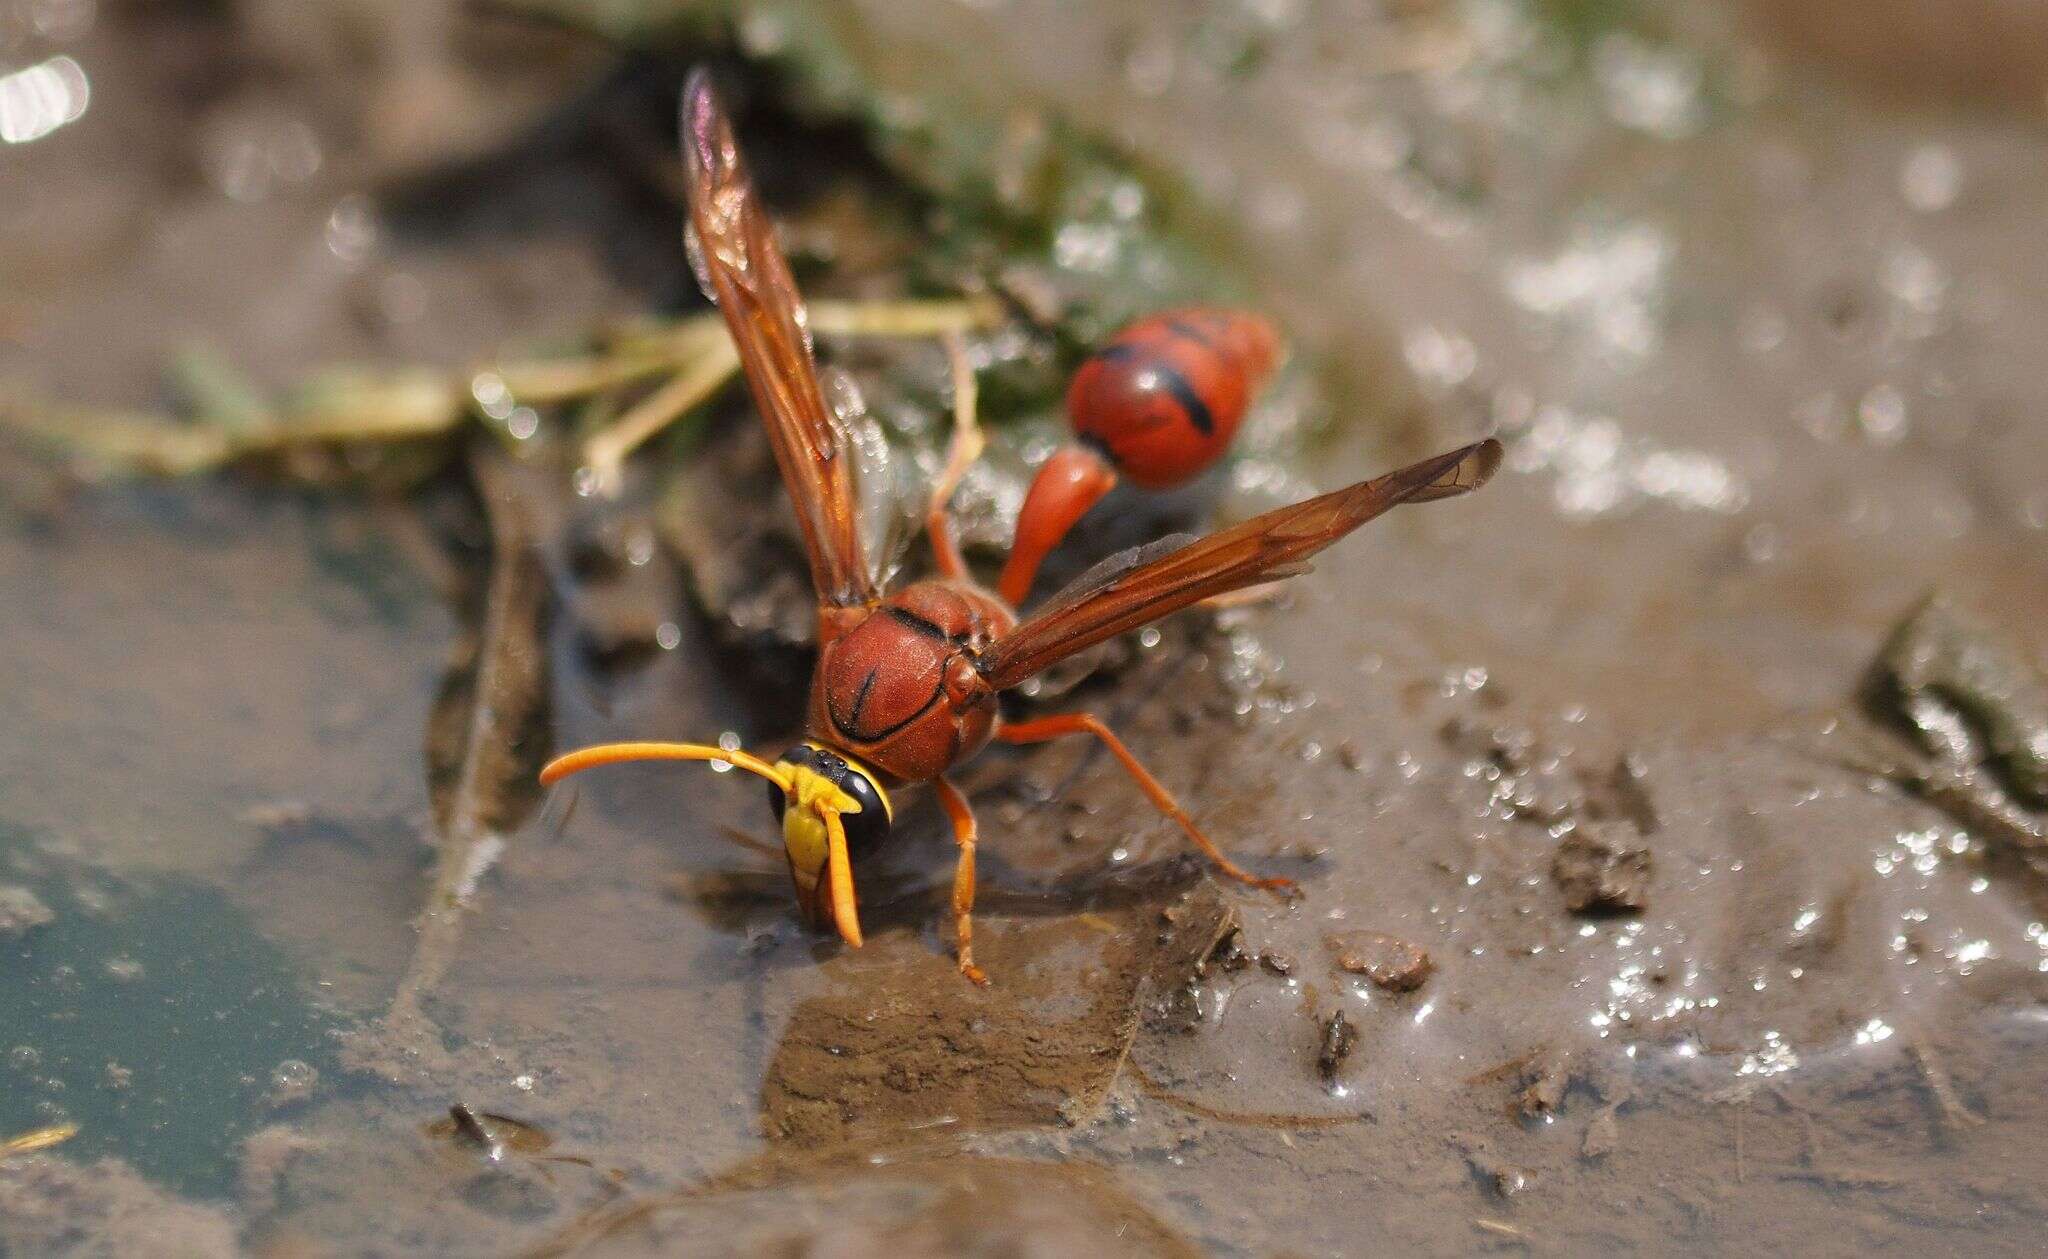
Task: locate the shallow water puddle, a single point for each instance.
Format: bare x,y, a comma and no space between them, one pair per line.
159,1021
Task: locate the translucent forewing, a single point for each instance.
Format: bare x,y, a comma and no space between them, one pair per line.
1140,586
748,277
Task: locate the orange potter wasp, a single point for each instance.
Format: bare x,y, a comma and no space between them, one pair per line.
906,682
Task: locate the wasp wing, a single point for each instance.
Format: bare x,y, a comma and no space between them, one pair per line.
744,271
1144,584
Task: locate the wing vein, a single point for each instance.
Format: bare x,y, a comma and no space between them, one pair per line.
1143,585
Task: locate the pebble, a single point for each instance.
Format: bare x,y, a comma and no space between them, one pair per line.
1392,963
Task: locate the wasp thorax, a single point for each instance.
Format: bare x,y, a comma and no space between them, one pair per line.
866,829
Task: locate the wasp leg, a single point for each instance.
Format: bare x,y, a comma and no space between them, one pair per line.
1250,596
961,453
1045,728
962,815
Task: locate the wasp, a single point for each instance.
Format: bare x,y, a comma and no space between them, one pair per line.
906,682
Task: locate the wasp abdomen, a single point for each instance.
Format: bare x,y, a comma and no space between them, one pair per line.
1164,397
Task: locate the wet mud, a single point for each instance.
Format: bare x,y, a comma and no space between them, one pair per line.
903,1047
1670,814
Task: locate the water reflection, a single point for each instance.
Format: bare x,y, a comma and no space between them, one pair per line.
38,100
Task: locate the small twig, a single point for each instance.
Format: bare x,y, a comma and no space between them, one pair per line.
1842,1178
965,447
1953,1112
704,357
540,382
905,319
676,341
333,408
39,1139
606,451
469,839
1244,1118
1741,1164
968,439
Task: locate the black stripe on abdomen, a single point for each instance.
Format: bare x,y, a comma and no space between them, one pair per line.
1170,378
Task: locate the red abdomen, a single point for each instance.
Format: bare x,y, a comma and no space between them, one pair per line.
1165,396
900,691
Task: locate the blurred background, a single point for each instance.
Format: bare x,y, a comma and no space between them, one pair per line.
1671,812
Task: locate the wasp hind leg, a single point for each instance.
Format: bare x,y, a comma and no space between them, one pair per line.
961,453
1047,728
961,814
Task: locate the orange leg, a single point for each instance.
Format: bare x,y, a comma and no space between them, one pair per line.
961,453
1245,598
1046,728
962,815
1067,485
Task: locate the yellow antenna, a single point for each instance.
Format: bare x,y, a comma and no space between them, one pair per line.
845,913
620,753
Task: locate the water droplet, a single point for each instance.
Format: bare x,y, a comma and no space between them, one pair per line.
1439,357
1882,415
352,228
1086,247
291,1081
253,150
1761,544
1931,178
1647,88
1763,330
492,397
41,98
1915,280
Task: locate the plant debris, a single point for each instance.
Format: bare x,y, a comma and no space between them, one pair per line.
1340,1037
1959,686
1599,872
377,425
486,735
489,1134
40,1139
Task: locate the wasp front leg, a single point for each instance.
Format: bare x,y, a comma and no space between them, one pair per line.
962,816
1046,728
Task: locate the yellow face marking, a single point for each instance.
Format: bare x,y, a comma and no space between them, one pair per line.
874,779
814,839
803,826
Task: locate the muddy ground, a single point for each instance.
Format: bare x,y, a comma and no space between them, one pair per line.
1636,918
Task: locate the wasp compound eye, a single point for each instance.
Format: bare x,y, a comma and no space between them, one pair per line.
866,829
